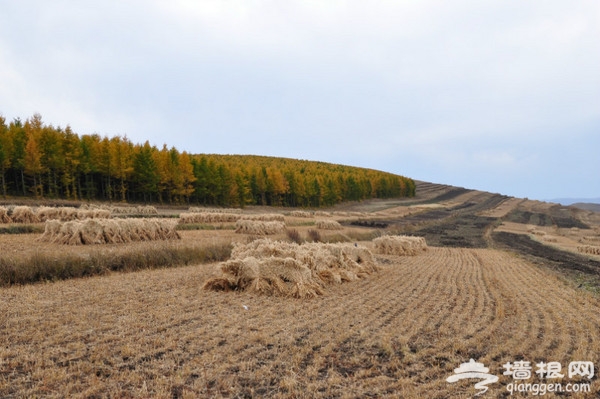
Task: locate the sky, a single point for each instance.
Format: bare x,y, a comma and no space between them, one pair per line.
495,95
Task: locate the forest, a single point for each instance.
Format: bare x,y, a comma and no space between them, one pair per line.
42,161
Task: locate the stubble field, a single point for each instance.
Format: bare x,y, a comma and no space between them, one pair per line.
398,333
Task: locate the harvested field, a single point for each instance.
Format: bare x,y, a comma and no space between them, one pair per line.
399,333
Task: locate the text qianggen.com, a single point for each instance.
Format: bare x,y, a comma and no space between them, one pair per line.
541,389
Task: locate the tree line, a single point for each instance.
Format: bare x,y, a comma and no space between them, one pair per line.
43,161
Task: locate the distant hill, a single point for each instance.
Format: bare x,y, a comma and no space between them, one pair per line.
587,206
574,201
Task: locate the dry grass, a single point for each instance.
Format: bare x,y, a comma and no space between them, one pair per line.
289,269
23,263
397,334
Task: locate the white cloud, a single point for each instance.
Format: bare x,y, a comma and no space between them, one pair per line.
463,86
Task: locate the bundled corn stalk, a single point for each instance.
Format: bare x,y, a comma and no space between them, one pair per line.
323,214
207,217
24,214
589,249
328,224
4,218
196,209
245,226
400,245
266,217
289,269
109,231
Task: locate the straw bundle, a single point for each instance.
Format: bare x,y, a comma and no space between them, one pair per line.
133,210
266,217
4,218
45,213
400,245
327,224
109,231
207,217
589,249
290,269
196,209
24,214
301,214
244,226
584,238
66,214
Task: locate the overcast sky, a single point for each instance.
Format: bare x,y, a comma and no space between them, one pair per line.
502,96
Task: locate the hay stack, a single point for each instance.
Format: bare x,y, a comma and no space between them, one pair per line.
67,214
4,218
245,226
290,269
147,210
328,224
24,214
51,230
196,209
45,213
301,214
266,217
589,249
109,231
584,238
208,217
400,245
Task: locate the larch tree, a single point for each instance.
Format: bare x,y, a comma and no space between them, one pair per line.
5,153
33,164
145,171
